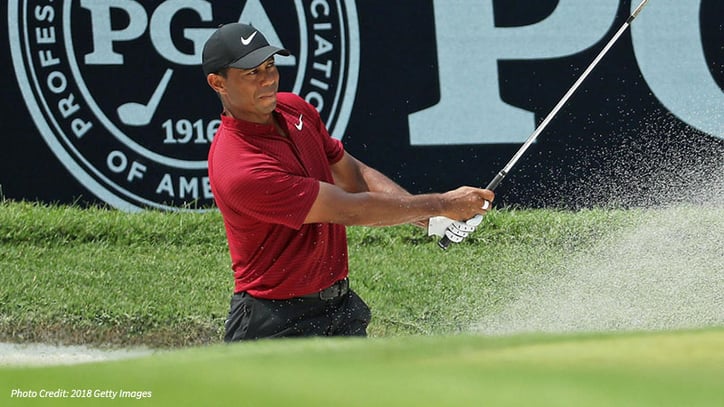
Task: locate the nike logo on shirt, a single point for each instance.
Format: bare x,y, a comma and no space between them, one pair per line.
300,124
247,40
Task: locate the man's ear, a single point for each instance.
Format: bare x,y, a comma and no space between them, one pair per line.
216,82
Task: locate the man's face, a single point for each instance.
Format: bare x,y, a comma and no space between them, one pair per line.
249,94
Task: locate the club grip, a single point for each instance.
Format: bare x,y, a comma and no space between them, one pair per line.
444,242
498,178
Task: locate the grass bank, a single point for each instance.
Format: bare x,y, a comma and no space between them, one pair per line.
160,279
655,369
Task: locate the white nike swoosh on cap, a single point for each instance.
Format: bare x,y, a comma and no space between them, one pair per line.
247,40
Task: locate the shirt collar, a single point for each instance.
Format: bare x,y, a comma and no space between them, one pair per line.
250,128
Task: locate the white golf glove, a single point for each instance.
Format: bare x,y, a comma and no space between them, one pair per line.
454,230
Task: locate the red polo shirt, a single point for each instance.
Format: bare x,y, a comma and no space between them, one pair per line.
264,185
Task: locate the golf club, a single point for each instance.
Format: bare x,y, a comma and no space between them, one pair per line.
475,221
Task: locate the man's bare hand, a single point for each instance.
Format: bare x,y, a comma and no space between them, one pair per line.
465,202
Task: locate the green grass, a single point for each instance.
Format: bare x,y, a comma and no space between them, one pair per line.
660,369
99,276
102,277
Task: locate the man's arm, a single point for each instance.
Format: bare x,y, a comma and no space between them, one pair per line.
364,196
353,175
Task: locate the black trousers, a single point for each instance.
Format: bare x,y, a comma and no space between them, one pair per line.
256,318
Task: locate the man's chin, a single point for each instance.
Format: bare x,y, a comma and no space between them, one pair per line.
269,102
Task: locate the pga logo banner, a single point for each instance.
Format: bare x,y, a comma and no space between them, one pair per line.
116,90
666,42
115,87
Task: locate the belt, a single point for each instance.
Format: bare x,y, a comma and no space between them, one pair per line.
336,290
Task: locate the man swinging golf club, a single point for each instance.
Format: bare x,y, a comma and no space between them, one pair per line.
286,191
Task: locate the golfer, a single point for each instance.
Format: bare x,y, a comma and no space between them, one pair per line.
286,191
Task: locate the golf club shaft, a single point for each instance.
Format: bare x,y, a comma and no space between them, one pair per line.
445,242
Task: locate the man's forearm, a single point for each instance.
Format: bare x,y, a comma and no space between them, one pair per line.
388,209
378,182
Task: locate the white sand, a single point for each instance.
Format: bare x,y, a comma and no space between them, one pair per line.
37,354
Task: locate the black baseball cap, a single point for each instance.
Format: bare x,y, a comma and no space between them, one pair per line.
237,45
